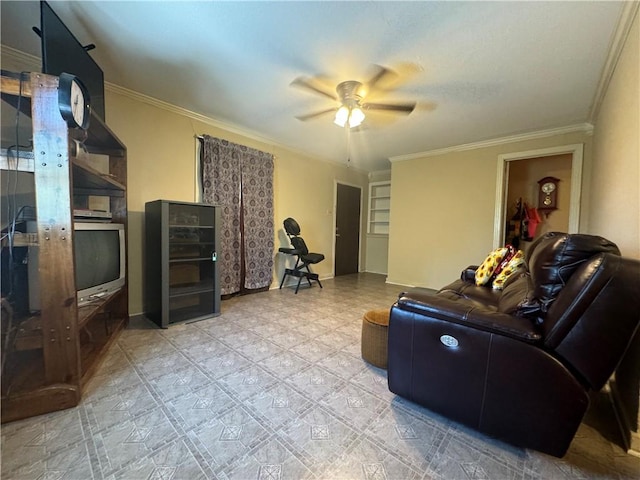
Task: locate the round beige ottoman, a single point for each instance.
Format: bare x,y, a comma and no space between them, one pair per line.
375,326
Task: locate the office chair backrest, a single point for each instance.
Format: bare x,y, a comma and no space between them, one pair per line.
291,227
299,245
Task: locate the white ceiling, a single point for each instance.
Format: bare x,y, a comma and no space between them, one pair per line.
478,70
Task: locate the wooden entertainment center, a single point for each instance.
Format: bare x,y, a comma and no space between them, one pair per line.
49,355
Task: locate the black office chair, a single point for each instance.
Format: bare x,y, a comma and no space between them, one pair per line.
304,258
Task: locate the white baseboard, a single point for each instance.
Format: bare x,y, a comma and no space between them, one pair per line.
377,273
391,282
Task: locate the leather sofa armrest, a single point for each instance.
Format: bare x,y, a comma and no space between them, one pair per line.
470,315
469,274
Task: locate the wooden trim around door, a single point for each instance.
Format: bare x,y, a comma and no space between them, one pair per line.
361,237
577,152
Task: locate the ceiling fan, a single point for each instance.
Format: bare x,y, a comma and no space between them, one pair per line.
351,95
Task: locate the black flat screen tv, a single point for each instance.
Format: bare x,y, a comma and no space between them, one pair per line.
62,52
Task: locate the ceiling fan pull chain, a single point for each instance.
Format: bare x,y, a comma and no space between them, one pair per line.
348,130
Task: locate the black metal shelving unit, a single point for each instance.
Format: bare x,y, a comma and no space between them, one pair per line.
182,277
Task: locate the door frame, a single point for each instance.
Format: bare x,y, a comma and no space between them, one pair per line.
577,156
335,221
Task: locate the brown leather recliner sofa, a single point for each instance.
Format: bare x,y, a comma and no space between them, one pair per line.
518,364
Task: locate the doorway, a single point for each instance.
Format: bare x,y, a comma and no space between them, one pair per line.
502,184
347,233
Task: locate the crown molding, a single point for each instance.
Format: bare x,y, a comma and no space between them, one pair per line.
26,61
581,127
154,102
33,63
228,127
374,173
618,41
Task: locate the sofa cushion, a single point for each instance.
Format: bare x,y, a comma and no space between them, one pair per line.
483,296
518,297
488,267
554,257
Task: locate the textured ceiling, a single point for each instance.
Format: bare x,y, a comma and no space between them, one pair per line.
478,70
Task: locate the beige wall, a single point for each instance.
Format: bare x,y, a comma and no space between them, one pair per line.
443,207
615,195
161,151
377,253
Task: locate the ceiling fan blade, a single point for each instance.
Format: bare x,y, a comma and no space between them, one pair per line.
311,116
381,73
395,107
304,82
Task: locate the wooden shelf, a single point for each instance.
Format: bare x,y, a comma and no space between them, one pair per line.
45,399
30,334
21,239
12,87
93,350
102,140
16,160
27,368
98,306
88,179
51,354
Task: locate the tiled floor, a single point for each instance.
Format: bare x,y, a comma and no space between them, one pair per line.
275,388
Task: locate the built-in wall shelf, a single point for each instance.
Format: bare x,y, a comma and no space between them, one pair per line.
379,207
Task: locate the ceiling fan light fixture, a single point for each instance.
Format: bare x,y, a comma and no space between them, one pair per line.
353,116
342,115
356,117
351,97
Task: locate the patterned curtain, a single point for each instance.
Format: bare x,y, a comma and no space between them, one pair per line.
240,180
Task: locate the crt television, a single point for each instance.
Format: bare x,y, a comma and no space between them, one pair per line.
62,52
100,259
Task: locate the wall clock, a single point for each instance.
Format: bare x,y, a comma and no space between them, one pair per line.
548,194
73,101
